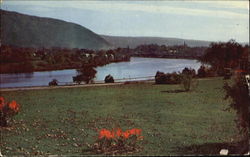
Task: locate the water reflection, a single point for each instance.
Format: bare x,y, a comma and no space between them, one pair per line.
28,75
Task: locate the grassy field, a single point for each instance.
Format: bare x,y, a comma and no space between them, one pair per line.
63,121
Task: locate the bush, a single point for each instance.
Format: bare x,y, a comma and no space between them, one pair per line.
77,79
160,78
239,94
173,78
169,78
54,82
7,110
189,71
109,79
201,71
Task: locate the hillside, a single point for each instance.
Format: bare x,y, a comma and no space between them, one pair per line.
133,42
31,31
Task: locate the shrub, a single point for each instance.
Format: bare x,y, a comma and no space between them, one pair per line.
109,79
173,78
7,110
160,78
54,82
239,94
201,71
77,79
189,71
169,78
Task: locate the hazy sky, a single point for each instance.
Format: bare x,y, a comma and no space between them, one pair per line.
201,20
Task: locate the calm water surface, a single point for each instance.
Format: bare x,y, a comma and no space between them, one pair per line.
137,67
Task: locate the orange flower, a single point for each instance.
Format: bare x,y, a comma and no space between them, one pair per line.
135,131
106,133
112,135
118,132
1,103
126,134
102,133
138,131
14,106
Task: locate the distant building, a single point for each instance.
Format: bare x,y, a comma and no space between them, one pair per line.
184,44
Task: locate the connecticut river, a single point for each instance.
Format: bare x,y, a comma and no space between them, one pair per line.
137,69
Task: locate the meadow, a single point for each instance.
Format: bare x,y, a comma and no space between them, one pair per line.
173,122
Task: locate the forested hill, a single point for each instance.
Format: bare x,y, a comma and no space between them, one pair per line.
132,42
30,31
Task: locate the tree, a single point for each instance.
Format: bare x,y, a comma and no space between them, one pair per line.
86,74
223,55
186,81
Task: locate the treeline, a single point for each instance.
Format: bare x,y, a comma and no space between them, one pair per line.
22,60
17,59
219,56
163,51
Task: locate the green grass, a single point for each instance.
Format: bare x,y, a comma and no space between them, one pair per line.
63,121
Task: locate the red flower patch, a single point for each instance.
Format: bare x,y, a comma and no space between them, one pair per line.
116,141
7,110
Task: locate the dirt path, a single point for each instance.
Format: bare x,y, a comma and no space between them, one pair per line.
76,86
56,87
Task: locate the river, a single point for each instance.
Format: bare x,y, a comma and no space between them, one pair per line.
138,67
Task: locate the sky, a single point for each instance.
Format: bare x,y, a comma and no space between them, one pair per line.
200,20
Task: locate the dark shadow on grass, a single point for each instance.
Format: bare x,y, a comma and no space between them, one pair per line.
236,148
173,91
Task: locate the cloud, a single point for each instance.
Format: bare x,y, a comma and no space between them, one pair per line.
210,20
240,4
166,9
155,7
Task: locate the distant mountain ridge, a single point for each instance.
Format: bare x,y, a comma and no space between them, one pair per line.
31,31
132,42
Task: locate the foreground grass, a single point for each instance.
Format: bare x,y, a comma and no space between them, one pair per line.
64,121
